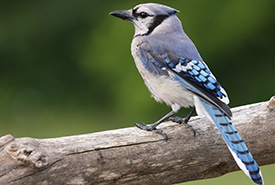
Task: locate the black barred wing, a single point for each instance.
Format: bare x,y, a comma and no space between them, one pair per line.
199,73
194,74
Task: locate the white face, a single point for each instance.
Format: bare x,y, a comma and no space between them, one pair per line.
143,19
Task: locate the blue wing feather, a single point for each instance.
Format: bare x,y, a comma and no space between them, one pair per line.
194,75
195,70
151,64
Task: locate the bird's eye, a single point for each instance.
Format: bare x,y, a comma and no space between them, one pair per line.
143,15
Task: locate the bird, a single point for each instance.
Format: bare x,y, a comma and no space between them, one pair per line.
175,73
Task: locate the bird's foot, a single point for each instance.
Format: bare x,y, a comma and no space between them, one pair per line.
183,121
152,128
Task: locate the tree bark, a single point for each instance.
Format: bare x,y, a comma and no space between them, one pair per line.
134,156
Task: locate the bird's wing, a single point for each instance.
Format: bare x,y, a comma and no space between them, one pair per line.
211,100
192,73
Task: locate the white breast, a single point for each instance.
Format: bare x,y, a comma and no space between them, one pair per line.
163,88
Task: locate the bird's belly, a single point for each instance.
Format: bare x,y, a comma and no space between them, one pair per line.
165,89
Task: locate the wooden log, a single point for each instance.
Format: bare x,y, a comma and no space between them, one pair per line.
134,156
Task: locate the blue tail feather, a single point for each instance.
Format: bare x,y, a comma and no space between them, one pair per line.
234,142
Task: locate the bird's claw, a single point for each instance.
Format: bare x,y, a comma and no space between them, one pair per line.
153,129
183,121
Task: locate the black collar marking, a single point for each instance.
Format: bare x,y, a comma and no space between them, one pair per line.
157,21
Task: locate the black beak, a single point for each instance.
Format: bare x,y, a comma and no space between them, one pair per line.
123,14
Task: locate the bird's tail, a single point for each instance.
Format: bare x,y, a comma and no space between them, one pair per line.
234,142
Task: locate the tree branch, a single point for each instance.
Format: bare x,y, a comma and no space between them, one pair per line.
134,156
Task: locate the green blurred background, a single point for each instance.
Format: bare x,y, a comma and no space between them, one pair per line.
66,67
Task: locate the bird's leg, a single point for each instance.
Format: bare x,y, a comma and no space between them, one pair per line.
185,120
153,127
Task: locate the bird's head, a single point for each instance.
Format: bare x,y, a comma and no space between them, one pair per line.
146,17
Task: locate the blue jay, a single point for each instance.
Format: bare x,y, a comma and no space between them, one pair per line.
175,73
